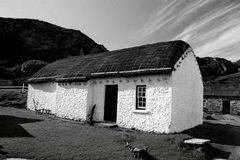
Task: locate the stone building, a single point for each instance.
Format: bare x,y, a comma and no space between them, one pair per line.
156,87
223,95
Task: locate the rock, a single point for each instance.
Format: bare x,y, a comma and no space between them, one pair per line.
196,141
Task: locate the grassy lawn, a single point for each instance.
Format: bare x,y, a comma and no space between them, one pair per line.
13,98
27,135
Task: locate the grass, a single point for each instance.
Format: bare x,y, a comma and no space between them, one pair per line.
27,135
13,98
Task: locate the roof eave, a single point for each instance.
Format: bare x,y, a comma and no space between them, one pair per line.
139,72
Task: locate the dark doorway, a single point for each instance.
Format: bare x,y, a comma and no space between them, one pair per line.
226,107
110,109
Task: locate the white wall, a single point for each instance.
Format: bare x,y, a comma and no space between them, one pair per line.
158,101
183,89
187,108
158,104
44,95
73,100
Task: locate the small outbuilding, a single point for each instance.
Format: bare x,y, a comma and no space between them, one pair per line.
156,87
222,95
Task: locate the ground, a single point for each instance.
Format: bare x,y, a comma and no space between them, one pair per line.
27,135
13,98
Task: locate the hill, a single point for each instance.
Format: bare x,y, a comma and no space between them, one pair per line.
211,68
27,44
26,39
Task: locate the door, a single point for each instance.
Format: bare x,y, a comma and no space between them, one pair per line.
110,108
226,107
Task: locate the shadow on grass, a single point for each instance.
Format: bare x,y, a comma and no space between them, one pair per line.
147,156
2,152
217,133
213,152
10,126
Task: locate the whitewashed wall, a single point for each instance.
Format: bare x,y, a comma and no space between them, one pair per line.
187,109
156,118
173,102
158,100
44,95
73,100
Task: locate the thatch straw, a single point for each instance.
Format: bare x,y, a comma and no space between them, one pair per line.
158,58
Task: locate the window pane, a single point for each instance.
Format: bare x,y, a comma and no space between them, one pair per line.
141,97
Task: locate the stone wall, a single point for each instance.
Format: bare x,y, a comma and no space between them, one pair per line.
235,107
156,117
42,96
213,105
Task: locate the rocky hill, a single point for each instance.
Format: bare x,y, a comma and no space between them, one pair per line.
23,40
26,45
26,39
211,68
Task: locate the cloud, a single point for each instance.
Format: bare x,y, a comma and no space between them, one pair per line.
226,45
215,34
211,27
167,14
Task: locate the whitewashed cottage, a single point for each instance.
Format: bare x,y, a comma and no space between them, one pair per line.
156,87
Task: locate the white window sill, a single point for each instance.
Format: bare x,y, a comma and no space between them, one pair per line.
141,111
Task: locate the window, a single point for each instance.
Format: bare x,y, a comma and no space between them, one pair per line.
141,97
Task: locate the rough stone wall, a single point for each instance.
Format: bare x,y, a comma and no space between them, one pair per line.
44,96
73,100
235,107
213,105
156,117
158,100
187,108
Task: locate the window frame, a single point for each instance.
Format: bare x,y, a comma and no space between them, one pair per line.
141,94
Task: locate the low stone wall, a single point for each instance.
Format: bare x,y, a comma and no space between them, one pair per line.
213,105
235,107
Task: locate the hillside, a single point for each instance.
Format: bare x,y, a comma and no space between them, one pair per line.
211,68
27,44
26,39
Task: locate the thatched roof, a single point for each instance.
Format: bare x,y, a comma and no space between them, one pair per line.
147,59
225,87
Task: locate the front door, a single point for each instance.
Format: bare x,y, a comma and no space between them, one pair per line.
110,108
226,107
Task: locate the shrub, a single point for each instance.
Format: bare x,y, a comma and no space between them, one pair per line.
14,72
32,66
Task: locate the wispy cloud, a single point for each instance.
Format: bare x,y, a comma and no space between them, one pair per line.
210,26
167,14
215,34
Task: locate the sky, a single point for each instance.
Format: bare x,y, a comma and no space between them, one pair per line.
211,27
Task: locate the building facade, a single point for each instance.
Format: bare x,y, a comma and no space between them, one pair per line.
154,88
223,95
